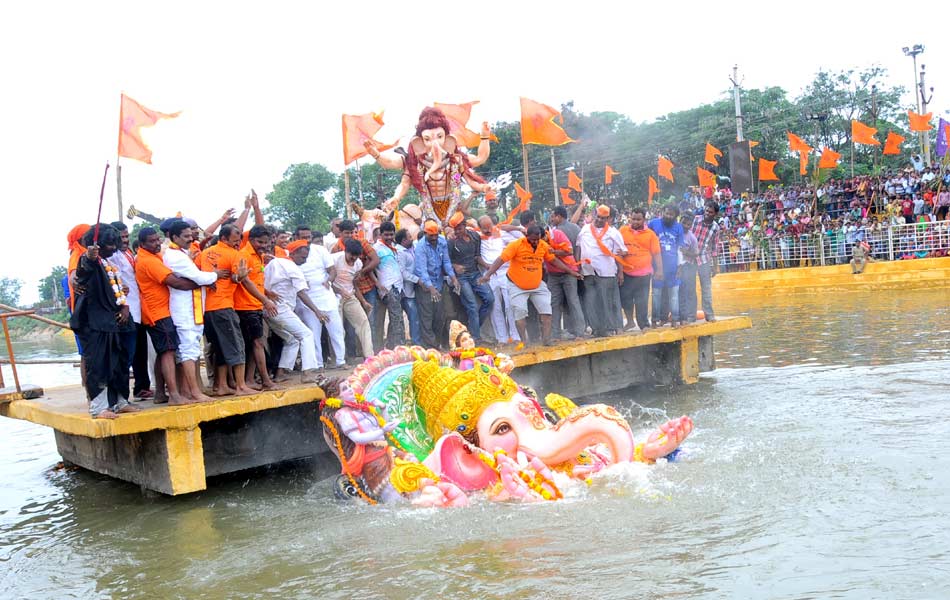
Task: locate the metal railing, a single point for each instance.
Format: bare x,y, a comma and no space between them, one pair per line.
833,247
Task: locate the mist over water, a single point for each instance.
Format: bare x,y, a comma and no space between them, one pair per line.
818,469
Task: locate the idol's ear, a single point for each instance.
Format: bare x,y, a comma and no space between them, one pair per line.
455,460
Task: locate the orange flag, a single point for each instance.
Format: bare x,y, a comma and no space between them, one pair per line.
524,203
893,143
919,122
538,126
652,189
574,182
132,117
862,134
664,168
356,130
712,153
706,178
566,199
802,163
829,159
797,144
609,175
458,116
767,170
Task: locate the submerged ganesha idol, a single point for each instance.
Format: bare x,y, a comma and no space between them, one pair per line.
407,425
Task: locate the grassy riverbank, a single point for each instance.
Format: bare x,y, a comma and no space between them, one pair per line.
25,328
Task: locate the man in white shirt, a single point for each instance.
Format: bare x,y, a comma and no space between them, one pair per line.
389,287
187,306
598,242
139,354
407,264
319,271
502,317
330,239
283,277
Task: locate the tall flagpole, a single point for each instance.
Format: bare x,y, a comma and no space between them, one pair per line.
554,177
118,166
346,192
524,158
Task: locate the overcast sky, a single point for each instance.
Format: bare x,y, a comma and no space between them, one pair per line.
262,85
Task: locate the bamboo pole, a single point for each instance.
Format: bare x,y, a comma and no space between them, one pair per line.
554,177
36,317
346,192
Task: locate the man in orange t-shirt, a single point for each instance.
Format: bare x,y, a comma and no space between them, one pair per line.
154,279
222,326
526,257
641,261
250,302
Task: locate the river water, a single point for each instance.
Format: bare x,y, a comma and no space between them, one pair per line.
819,469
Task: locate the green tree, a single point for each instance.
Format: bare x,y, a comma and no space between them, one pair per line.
299,198
51,289
10,290
370,186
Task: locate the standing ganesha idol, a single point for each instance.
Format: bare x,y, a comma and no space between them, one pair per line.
435,165
408,425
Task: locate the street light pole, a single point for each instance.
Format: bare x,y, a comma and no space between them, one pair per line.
735,92
924,101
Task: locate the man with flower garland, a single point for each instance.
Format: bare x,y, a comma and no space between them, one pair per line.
100,312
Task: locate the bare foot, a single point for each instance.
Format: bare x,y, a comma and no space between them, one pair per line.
199,397
269,385
225,391
129,408
178,399
253,385
282,376
163,399
106,414
244,390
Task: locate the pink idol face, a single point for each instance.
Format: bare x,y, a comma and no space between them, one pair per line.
500,423
431,137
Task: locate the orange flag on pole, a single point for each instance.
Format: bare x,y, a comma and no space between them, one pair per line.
767,170
524,203
862,134
664,168
538,126
458,116
919,122
712,153
829,159
893,143
609,175
797,144
706,178
132,117
356,130
574,182
566,199
652,189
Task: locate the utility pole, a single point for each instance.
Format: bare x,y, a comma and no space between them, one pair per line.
735,93
924,101
913,52
874,118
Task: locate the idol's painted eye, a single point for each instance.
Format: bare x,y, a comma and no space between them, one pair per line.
501,428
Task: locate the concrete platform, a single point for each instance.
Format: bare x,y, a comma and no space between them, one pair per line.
173,449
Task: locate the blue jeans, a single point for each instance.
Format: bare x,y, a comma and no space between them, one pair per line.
412,312
471,293
666,302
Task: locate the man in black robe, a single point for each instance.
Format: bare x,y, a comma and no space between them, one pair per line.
99,316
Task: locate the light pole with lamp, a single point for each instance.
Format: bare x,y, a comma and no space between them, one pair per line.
912,52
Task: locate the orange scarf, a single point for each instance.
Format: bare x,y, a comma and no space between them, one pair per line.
599,238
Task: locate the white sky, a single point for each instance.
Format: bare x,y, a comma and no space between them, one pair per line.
262,85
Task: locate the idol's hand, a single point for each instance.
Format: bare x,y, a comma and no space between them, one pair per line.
668,438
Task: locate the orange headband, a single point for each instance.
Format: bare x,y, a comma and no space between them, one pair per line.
296,244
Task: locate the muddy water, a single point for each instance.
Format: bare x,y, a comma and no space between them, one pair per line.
819,469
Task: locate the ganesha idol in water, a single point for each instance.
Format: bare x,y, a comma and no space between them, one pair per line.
408,425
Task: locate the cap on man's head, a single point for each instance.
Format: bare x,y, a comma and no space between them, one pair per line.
456,219
603,210
294,245
431,227
167,224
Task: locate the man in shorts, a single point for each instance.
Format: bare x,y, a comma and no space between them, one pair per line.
526,258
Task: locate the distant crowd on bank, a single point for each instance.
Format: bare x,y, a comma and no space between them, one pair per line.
260,302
